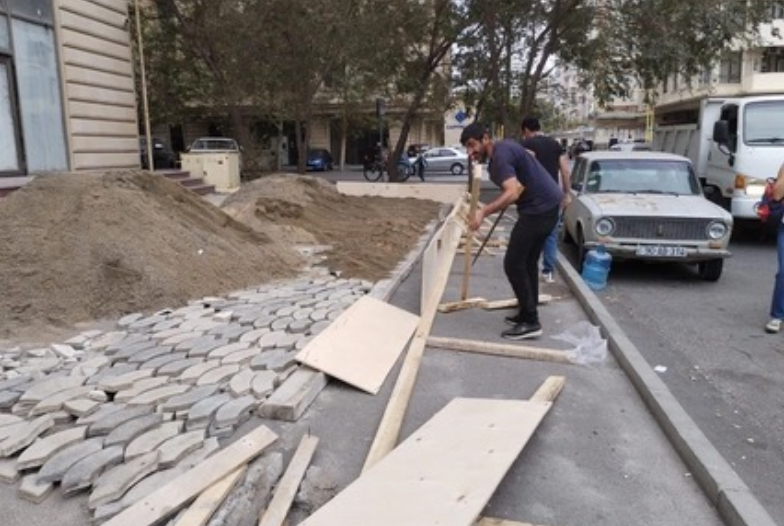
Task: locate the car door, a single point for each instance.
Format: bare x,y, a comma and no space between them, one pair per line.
577,208
435,161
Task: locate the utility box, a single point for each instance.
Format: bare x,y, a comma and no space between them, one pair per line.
220,169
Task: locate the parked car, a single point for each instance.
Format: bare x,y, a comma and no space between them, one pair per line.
217,145
649,206
162,156
319,159
444,159
631,147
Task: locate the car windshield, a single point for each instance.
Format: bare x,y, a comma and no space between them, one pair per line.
641,176
764,123
214,144
316,154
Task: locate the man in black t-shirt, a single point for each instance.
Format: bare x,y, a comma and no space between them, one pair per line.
525,182
552,156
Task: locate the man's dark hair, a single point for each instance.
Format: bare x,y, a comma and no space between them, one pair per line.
531,123
475,131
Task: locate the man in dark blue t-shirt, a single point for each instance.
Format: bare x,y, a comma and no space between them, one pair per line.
523,181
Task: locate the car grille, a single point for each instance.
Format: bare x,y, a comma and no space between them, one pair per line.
660,228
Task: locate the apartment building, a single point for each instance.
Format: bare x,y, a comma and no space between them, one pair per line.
67,94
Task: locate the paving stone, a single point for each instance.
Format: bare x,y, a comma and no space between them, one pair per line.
206,345
128,320
146,323
272,340
6,420
56,401
201,324
110,422
9,398
9,472
289,341
63,351
300,326
10,383
25,435
187,400
129,351
241,357
254,335
281,324
225,350
131,429
193,373
79,407
84,473
231,332
90,367
177,367
223,316
158,395
98,396
103,411
202,412
34,490
130,339
40,365
149,354
142,386
49,386
334,314
276,360
264,383
56,466
235,412
156,363
260,321
124,381
218,375
175,448
116,481
165,325
180,338
153,438
240,383
319,326
110,372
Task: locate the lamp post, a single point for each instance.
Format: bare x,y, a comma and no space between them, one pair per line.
145,104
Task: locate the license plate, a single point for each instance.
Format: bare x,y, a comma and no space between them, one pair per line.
658,251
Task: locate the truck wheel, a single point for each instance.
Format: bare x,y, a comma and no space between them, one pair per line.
713,194
710,270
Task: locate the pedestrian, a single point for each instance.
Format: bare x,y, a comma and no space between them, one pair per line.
554,159
420,164
777,302
526,183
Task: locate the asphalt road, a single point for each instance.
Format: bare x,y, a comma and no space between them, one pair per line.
724,369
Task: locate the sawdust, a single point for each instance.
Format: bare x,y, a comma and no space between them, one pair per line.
83,247
367,236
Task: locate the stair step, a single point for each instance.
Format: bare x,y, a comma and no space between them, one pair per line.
202,189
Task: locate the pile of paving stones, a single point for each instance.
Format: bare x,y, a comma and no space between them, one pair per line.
118,414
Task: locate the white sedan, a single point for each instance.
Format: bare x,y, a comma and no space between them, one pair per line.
646,205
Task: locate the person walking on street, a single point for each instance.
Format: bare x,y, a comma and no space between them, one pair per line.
554,159
777,302
538,197
420,164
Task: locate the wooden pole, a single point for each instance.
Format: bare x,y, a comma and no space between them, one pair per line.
145,103
476,182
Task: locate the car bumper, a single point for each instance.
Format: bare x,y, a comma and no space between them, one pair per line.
688,253
744,207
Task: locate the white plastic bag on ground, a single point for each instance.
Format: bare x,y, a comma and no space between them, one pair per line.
589,346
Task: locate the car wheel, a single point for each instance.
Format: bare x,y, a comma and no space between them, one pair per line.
567,237
457,169
580,242
710,270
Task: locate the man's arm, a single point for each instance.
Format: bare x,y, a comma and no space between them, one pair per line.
511,189
778,186
566,179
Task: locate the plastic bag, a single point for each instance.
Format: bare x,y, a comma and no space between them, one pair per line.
590,348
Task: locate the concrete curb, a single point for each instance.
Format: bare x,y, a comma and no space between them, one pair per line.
724,488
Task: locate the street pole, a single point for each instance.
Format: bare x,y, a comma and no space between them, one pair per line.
145,104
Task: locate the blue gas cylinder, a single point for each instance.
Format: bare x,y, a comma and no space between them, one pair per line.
596,268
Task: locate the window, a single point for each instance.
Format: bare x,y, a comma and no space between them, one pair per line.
34,10
729,70
763,123
776,11
729,113
773,60
9,152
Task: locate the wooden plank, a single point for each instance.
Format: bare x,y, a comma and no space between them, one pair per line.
97,95
96,45
476,182
440,252
461,305
362,345
284,495
498,349
512,303
487,521
294,396
203,508
97,28
94,77
550,389
172,496
113,17
442,193
389,427
439,476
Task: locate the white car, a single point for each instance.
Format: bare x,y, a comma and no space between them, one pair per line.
646,205
217,145
446,159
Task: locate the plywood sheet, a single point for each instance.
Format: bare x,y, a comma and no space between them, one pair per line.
362,344
439,192
445,473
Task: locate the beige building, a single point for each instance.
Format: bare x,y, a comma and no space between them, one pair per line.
67,92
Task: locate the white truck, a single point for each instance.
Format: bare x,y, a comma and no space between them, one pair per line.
735,146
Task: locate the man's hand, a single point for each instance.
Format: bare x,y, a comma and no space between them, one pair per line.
475,222
567,200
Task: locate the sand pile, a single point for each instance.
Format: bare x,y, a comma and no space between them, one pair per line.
369,236
78,247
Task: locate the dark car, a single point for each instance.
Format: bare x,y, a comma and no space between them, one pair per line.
319,159
162,156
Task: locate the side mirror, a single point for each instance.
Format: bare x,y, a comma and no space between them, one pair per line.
577,187
721,133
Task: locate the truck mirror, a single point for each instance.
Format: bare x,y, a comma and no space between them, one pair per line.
721,133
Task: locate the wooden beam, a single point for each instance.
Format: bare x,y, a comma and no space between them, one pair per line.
461,305
549,390
487,521
172,496
203,508
498,349
512,303
278,508
476,182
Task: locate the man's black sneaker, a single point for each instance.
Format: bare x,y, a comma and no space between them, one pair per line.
523,331
513,320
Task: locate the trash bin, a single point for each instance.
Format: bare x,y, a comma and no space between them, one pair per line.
220,169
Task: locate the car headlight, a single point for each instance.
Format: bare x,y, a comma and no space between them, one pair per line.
717,230
604,226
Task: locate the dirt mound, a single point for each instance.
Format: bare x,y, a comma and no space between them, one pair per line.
369,236
78,247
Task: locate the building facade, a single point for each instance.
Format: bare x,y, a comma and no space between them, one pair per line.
67,91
